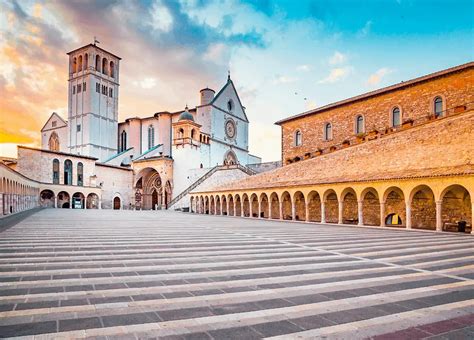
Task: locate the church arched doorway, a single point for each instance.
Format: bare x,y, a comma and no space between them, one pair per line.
150,191
154,199
117,203
230,158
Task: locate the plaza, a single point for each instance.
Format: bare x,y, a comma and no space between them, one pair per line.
161,274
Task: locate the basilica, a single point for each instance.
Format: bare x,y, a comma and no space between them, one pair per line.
91,160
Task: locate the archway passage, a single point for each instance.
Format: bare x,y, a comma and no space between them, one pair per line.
151,190
456,209
224,206
394,208
78,201
231,211
286,206
92,201
238,206
314,207
212,206
218,205
254,205
47,199
331,208
206,205
168,194
117,203
350,209
63,200
264,206
274,206
246,205
423,209
300,206
371,208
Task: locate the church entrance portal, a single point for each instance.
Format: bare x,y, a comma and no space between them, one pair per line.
151,192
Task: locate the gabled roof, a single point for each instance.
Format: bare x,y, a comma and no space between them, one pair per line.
229,83
117,155
379,91
148,151
54,114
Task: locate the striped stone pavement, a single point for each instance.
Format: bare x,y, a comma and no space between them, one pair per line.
134,275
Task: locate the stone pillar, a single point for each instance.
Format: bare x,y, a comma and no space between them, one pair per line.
323,212
293,210
341,212
281,209
227,207
259,209
250,208
269,209
70,202
360,212
472,216
306,211
100,203
439,216
242,214
382,214
408,213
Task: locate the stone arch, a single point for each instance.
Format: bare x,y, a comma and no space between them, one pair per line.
254,205
456,207
350,213
117,203
331,206
274,206
395,207
68,172
97,63
112,69
64,199
299,206
264,206
78,200
202,208
104,66
224,205
149,189
47,198
168,194
191,204
86,61
230,158
314,207
206,205
212,206
245,205
238,205
92,201
218,205
74,65
231,211
79,63
423,208
370,207
53,142
286,206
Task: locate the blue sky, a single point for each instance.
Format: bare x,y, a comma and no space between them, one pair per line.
285,57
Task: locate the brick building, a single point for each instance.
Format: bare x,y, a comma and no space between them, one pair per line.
399,156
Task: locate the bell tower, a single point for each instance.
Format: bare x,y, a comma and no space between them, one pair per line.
93,101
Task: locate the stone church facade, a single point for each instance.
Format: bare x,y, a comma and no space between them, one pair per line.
91,160
401,156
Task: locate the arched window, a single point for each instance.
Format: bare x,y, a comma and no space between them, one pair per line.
112,69
181,133
123,141
192,134
86,61
67,172
151,137
396,117
328,131
359,124
55,171
104,66
97,63
53,142
80,174
74,65
79,67
298,138
438,107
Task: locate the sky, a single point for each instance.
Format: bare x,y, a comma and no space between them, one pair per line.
285,57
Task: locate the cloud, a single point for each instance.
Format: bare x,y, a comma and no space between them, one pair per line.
337,74
146,83
376,78
364,31
337,58
162,20
279,79
303,68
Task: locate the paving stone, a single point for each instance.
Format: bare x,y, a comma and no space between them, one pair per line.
76,324
129,319
277,328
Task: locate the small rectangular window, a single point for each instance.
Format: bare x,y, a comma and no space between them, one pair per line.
84,87
74,89
97,87
78,127
110,93
79,88
53,123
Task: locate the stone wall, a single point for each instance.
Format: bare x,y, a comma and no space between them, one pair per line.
115,182
415,102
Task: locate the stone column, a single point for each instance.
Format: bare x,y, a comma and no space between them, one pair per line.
242,214
439,216
293,210
227,207
70,202
281,209
259,209
472,216
250,208
269,209
408,213
382,214
306,211
323,212
100,203
56,202
341,212
360,212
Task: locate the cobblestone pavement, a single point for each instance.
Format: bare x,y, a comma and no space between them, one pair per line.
128,274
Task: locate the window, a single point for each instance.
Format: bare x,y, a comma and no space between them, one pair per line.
84,87
78,127
80,174
110,92
78,88
79,68
97,63
192,133
396,117
74,66
359,124
53,123
53,142
230,105
74,89
438,107
328,131
298,138
112,69
67,172
104,66
123,141
97,87
55,171
86,61
151,137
